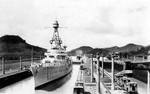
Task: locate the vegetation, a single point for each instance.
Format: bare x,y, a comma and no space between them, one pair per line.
84,49
12,47
128,50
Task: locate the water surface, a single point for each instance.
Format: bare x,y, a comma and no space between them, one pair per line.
61,86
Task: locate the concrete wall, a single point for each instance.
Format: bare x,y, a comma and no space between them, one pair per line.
10,79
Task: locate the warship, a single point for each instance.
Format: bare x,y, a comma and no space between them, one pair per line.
55,64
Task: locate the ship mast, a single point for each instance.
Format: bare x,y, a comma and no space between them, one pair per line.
56,40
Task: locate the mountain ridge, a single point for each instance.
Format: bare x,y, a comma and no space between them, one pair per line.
13,46
84,50
131,49
127,48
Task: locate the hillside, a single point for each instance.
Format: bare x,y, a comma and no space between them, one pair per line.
99,50
142,51
129,49
84,49
12,46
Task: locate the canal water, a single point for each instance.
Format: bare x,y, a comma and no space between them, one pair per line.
60,86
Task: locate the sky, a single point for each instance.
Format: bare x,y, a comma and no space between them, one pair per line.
95,23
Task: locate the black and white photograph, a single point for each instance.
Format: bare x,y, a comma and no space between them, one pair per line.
74,47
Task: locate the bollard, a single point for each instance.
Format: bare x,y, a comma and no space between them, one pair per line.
20,63
91,68
98,74
112,71
3,65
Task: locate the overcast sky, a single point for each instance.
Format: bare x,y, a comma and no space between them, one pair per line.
95,23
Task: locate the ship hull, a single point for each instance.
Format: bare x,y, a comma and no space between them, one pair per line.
54,84
43,75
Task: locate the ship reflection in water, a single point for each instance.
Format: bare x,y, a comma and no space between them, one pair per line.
61,86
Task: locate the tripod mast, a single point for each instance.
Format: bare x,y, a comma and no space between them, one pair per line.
56,40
